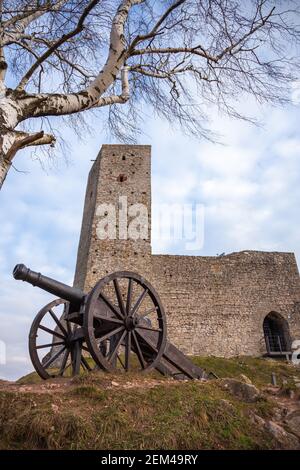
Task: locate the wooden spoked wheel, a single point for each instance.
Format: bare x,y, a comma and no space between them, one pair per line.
124,323
54,348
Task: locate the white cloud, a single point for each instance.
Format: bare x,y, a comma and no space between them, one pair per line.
249,186
228,189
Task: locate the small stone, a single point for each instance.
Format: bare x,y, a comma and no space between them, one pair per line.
115,384
258,420
245,379
244,391
278,413
284,438
271,390
227,404
293,422
54,408
291,394
51,386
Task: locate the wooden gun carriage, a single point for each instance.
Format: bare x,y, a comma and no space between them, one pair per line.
119,324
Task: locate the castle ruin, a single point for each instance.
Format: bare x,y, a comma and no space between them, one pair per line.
245,303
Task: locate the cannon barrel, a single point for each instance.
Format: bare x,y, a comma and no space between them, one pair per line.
72,294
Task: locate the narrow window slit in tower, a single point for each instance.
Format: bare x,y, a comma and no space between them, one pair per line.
122,178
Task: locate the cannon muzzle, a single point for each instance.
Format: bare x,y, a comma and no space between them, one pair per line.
72,294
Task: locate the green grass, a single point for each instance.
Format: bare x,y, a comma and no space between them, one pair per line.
32,378
88,391
257,369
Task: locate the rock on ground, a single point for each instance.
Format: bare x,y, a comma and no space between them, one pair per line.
284,438
244,391
293,422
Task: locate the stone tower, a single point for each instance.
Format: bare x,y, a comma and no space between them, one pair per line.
119,187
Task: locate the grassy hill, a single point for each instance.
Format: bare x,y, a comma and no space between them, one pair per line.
139,411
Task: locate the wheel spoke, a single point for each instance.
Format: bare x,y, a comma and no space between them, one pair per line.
85,363
148,328
67,367
119,297
53,358
138,350
151,310
115,352
127,351
138,302
109,319
52,332
64,363
62,328
69,327
50,345
129,296
120,360
111,333
111,306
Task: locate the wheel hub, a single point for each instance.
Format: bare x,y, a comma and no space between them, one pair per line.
131,323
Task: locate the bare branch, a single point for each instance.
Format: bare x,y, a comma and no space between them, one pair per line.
156,27
24,19
57,44
25,140
196,50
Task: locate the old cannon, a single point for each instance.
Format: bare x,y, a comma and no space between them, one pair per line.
120,323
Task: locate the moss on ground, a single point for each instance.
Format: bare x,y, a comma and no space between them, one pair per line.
258,369
32,378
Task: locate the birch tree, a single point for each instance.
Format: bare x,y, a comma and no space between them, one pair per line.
176,58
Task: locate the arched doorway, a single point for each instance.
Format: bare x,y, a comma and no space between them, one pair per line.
276,333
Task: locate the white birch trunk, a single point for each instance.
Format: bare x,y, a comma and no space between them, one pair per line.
9,115
4,168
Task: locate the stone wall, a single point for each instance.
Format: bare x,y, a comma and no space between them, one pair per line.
214,305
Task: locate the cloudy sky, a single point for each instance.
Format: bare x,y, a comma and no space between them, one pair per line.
249,186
